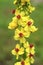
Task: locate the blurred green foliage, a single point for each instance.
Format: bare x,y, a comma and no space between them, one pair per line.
7,42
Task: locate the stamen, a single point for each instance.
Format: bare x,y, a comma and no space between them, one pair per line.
31,55
29,23
13,11
18,16
21,34
16,49
31,45
22,63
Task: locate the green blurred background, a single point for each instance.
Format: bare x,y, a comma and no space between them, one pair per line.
7,42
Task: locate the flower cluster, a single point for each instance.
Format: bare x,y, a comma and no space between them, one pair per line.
24,5
25,49
23,26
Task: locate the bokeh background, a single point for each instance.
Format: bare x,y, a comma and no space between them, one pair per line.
7,42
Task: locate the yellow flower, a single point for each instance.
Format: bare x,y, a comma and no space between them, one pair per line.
12,25
31,8
32,60
30,56
26,44
29,26
20,35
33,29
24,1
19,13
18,51
23,62
15,1
29,48
20,18
29,22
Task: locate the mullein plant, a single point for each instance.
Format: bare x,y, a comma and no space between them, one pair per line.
23,26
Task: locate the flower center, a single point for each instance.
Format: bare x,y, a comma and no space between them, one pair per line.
13,11
31,55
18,16
21,34
29,23
16,49
31,45
22,63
